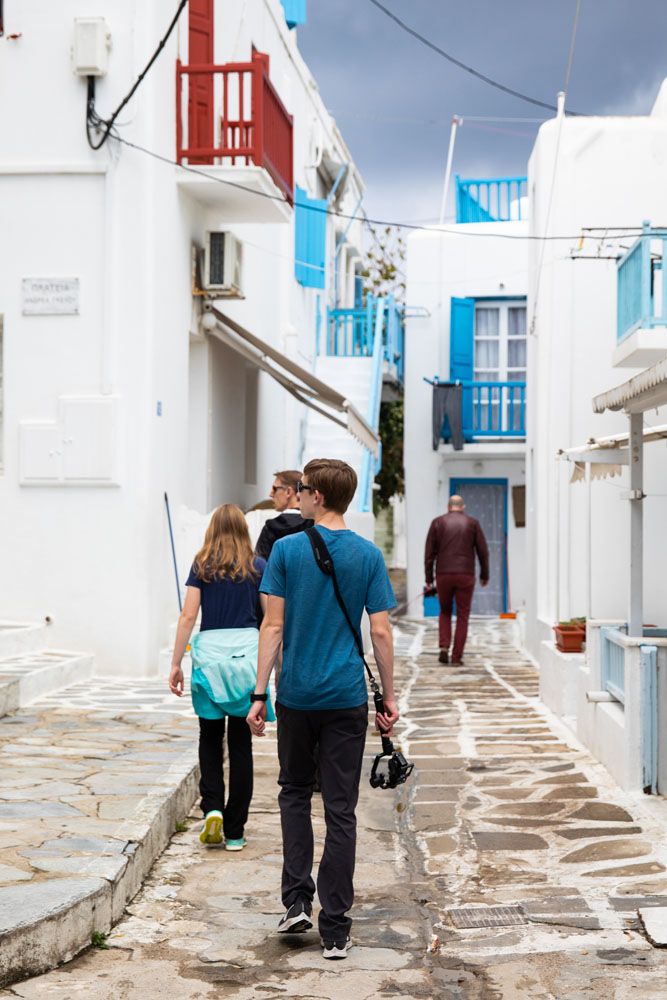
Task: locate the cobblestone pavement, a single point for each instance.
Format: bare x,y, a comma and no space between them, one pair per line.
510,867
93,780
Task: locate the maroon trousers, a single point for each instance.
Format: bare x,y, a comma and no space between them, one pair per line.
459,587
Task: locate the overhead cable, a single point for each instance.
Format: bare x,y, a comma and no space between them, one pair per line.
457,62
104,125
351,216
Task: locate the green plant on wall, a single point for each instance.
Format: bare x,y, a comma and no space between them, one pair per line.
391,478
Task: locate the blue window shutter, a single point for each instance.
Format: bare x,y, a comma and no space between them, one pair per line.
461,354
310,239
295,12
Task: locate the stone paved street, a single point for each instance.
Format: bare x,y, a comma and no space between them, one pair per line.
506,821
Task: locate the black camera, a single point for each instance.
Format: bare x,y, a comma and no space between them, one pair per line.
390,768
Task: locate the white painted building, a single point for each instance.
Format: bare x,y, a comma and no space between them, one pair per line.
466,299
115,391
599,313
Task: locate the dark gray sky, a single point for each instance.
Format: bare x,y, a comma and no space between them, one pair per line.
394,99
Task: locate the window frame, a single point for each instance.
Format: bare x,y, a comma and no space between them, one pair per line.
503,306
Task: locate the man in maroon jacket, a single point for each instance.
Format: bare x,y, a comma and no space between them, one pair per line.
451,544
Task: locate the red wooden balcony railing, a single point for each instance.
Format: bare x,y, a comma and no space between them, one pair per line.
232,114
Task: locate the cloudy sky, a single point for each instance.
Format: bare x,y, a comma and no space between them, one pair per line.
394,99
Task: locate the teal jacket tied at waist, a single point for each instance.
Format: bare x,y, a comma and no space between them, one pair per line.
224,671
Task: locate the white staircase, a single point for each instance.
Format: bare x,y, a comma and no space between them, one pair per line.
351,376
29,669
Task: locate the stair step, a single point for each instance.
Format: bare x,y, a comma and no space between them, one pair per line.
20,637
30,675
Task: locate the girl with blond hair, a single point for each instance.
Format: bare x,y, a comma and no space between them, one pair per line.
224,583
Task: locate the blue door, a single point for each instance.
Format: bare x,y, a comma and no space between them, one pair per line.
486,500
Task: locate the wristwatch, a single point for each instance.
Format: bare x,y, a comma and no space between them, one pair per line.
258,697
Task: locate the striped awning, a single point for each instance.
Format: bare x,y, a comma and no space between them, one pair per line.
301,384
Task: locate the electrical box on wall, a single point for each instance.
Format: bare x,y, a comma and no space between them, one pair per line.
90,48
223,264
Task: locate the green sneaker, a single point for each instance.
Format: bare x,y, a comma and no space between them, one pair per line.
212,831
235,845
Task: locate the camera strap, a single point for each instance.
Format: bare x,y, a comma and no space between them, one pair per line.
326,564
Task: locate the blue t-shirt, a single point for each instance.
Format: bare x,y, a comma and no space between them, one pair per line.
321,666
227,603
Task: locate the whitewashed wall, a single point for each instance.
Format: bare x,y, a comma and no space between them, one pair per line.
439,267
96,557
610,172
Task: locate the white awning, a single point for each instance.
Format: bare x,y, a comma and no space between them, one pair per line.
299,382
642,392
606,455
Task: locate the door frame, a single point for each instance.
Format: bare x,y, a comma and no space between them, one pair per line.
456,481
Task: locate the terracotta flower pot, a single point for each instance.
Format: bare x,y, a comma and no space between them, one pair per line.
569,638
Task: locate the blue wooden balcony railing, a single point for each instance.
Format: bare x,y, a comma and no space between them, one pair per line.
612,663
494,409
491,199
351,333
642,283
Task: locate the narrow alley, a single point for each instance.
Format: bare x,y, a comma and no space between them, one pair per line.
509,866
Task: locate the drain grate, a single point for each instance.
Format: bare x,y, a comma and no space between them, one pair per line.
487,916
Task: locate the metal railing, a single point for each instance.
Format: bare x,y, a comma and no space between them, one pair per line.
351,333
612,663
491,199
642,284
494,409
232,114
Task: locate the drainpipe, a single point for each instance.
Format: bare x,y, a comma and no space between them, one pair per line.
636,497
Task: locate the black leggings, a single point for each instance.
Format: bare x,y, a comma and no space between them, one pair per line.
212,783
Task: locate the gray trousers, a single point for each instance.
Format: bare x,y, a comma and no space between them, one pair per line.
340,735
448,403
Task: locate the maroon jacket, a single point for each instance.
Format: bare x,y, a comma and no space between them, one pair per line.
451,544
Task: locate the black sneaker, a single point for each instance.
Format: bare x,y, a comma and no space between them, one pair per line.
335,949
444,656
297,919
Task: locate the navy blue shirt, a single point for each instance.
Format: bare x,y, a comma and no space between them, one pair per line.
227,603
321,666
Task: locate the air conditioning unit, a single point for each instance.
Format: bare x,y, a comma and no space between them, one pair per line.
223,264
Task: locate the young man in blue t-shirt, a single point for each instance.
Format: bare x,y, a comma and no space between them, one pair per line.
322,697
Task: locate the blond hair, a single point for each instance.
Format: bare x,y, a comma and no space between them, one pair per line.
227,551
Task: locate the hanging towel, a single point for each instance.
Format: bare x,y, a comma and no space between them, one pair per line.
224,671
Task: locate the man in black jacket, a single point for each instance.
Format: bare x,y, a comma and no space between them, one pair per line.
286,500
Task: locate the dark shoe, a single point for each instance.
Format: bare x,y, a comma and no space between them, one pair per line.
457,663
297,918
335,949
444,656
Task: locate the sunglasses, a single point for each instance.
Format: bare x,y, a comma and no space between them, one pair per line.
274,489
300,487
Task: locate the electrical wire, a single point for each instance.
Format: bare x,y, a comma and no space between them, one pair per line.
337,213
439,122
457,62
105,125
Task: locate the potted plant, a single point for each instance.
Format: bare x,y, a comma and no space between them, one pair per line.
570,636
